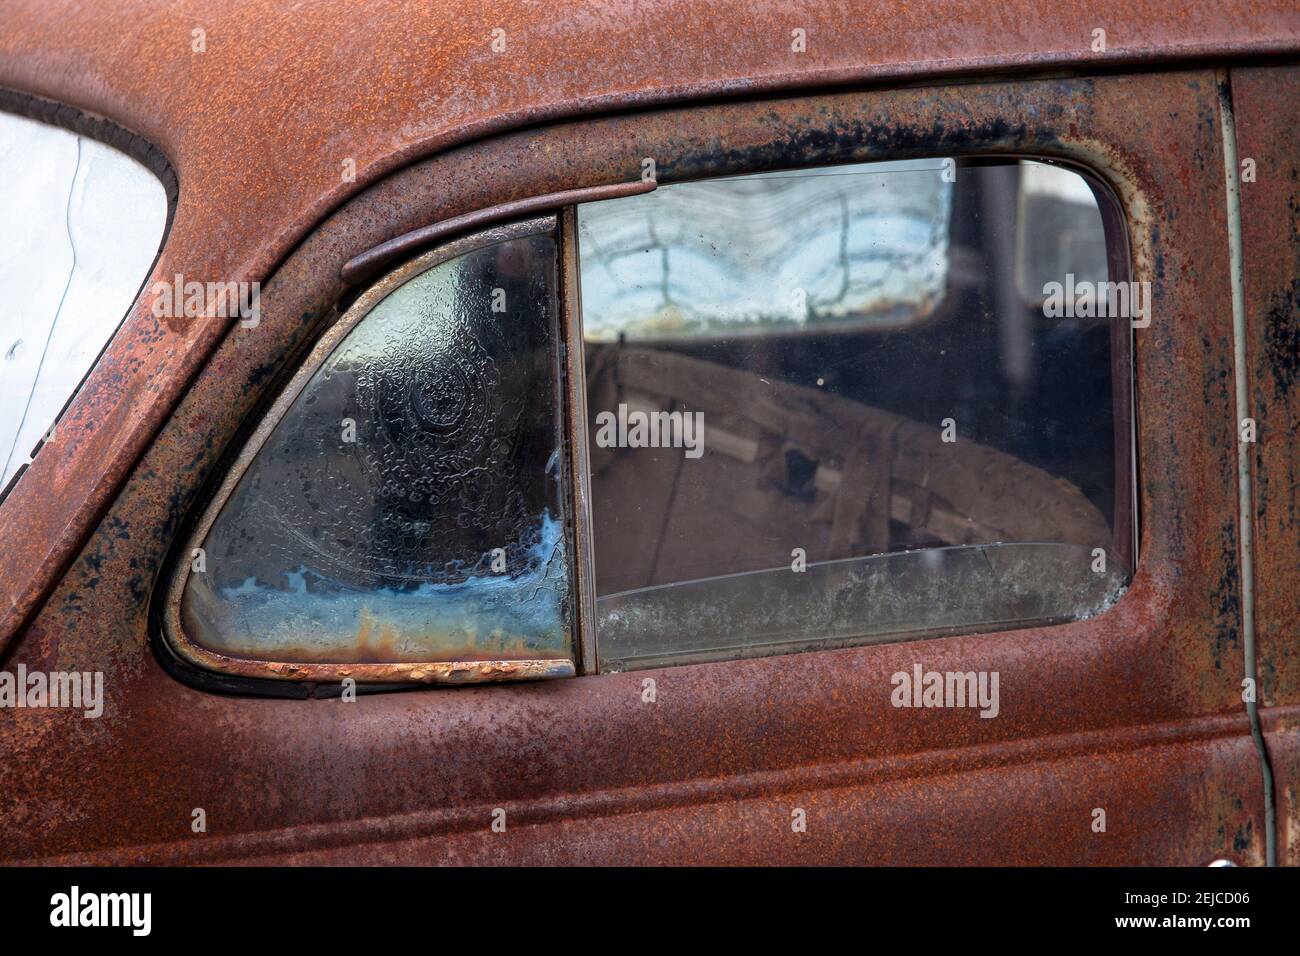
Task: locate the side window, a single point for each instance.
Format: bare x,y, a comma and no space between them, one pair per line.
809,409
819,412
398,514
82,224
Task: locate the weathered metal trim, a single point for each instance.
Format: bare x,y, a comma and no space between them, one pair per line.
579,466
1266,124
437,672
361,267
1245,495
432,672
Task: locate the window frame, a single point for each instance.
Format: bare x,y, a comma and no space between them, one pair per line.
1124,540
282,399
557,214
429,233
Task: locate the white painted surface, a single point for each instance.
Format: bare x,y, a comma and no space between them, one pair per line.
61,192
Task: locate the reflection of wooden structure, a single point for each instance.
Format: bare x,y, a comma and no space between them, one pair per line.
786,466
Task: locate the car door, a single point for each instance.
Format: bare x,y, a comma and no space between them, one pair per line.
1119,736
1264,110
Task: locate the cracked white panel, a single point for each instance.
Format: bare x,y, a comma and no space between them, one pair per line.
81,226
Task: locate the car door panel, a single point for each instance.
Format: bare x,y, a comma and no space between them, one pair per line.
1264,107
1136,711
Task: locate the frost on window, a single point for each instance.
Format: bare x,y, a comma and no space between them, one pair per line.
407,506
82,224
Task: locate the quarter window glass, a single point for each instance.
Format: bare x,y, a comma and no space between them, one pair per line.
406,507
819,412
82,224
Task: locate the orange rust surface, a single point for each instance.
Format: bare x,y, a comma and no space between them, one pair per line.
1136,710
259,125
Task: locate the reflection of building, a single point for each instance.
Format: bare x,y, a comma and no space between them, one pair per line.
865,244
1060,230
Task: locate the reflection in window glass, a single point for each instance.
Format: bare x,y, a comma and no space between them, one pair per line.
82,224
1060,230
819,413
775,251
407,506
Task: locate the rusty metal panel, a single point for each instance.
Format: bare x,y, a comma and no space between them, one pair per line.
1281,729
263,107
1266,105
1138,708
1167,801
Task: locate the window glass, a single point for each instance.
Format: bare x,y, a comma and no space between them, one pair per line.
1060,230
819,411
406,508
801,250
82,224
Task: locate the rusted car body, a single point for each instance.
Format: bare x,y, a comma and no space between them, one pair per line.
1138,710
